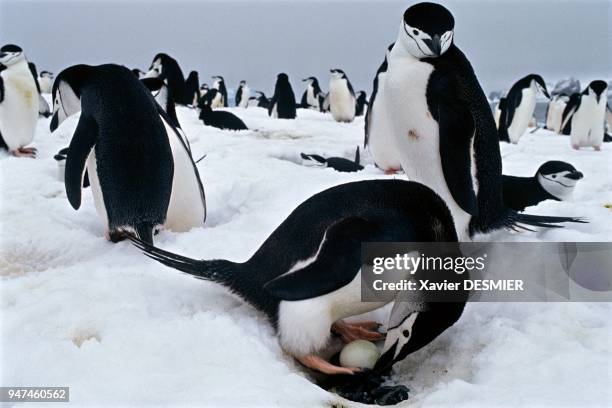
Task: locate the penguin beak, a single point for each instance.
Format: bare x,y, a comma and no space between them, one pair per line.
434,45
54,122
386,360
575,175
546,94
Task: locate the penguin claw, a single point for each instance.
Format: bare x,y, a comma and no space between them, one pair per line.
349,332
25,152
318,364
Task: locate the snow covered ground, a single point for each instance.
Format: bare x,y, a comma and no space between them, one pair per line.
123,330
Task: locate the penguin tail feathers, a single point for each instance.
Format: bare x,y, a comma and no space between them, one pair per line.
144,231
519,221
218,270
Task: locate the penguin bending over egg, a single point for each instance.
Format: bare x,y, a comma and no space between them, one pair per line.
19,102
219,85
306,277
243,94
341,97
378,138
192,88
337,163
221,119
520,105
589,117
361,102
45,80
442,124
282,104
167,68
313,96
141,172
554,180
43,107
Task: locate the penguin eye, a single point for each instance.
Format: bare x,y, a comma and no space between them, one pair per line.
554,176
415,31
406,333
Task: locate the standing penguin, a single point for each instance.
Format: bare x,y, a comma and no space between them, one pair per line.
167,68
45,80
43,107
341,97
568,112
520,105
282,104
219,85
443,126
378,137
555,112
554,180
192,88
19,102
141,173
243,94
162,96
306,277
589,117
360,103
313,96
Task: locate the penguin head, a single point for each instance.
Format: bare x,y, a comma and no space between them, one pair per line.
282,78
597,87
11,54
427,30
204,87
156,67
538,83
242,83
66,93
46,74
309,80
337,73
558,179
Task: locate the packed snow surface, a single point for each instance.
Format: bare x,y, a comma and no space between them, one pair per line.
122,330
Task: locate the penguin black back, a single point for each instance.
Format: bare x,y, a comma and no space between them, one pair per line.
502,130
221,119
361,103
515,94
284,99
566,118
192,87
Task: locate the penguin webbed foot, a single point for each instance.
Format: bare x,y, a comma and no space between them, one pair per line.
319,364
25,152
366,330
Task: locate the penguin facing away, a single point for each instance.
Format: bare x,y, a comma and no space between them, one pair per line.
19,102
262,100
361,103
45,80
282,104
554,180
306,276
443,126
378,138
192,88
43,107
221,119
337,163
167,68
243,94
341,97
520,105
313,96
219,84
589,117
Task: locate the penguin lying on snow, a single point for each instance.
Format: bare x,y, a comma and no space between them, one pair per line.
141,172
337,163
221,119
520,105
554,180
306,276
19,102
442,124
262,100
282,104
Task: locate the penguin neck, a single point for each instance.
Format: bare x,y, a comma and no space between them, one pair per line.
535,193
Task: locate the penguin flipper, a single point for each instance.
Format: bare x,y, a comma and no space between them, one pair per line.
512,102
82,142
456,129
1,88
336,264
313,157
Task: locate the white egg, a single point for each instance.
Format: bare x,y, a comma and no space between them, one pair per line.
360,354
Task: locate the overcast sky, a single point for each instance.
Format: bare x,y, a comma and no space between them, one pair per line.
255,40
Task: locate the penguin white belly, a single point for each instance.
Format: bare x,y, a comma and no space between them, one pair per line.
380,139
274,110
313,102
217,101
555,114
588,123
19,109
96,190
523,114
187,208
246,94
341,102
497,116
46,85
304,325
416,133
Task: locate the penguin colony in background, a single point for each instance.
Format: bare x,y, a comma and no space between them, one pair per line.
427,115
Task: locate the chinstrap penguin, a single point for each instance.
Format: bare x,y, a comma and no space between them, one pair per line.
341,97
337,163
554,114
243,94
45,80
262,100
221,119
520,105
167,68
219,85
19,102
589,116
282,104
361,102
313,96
554,180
